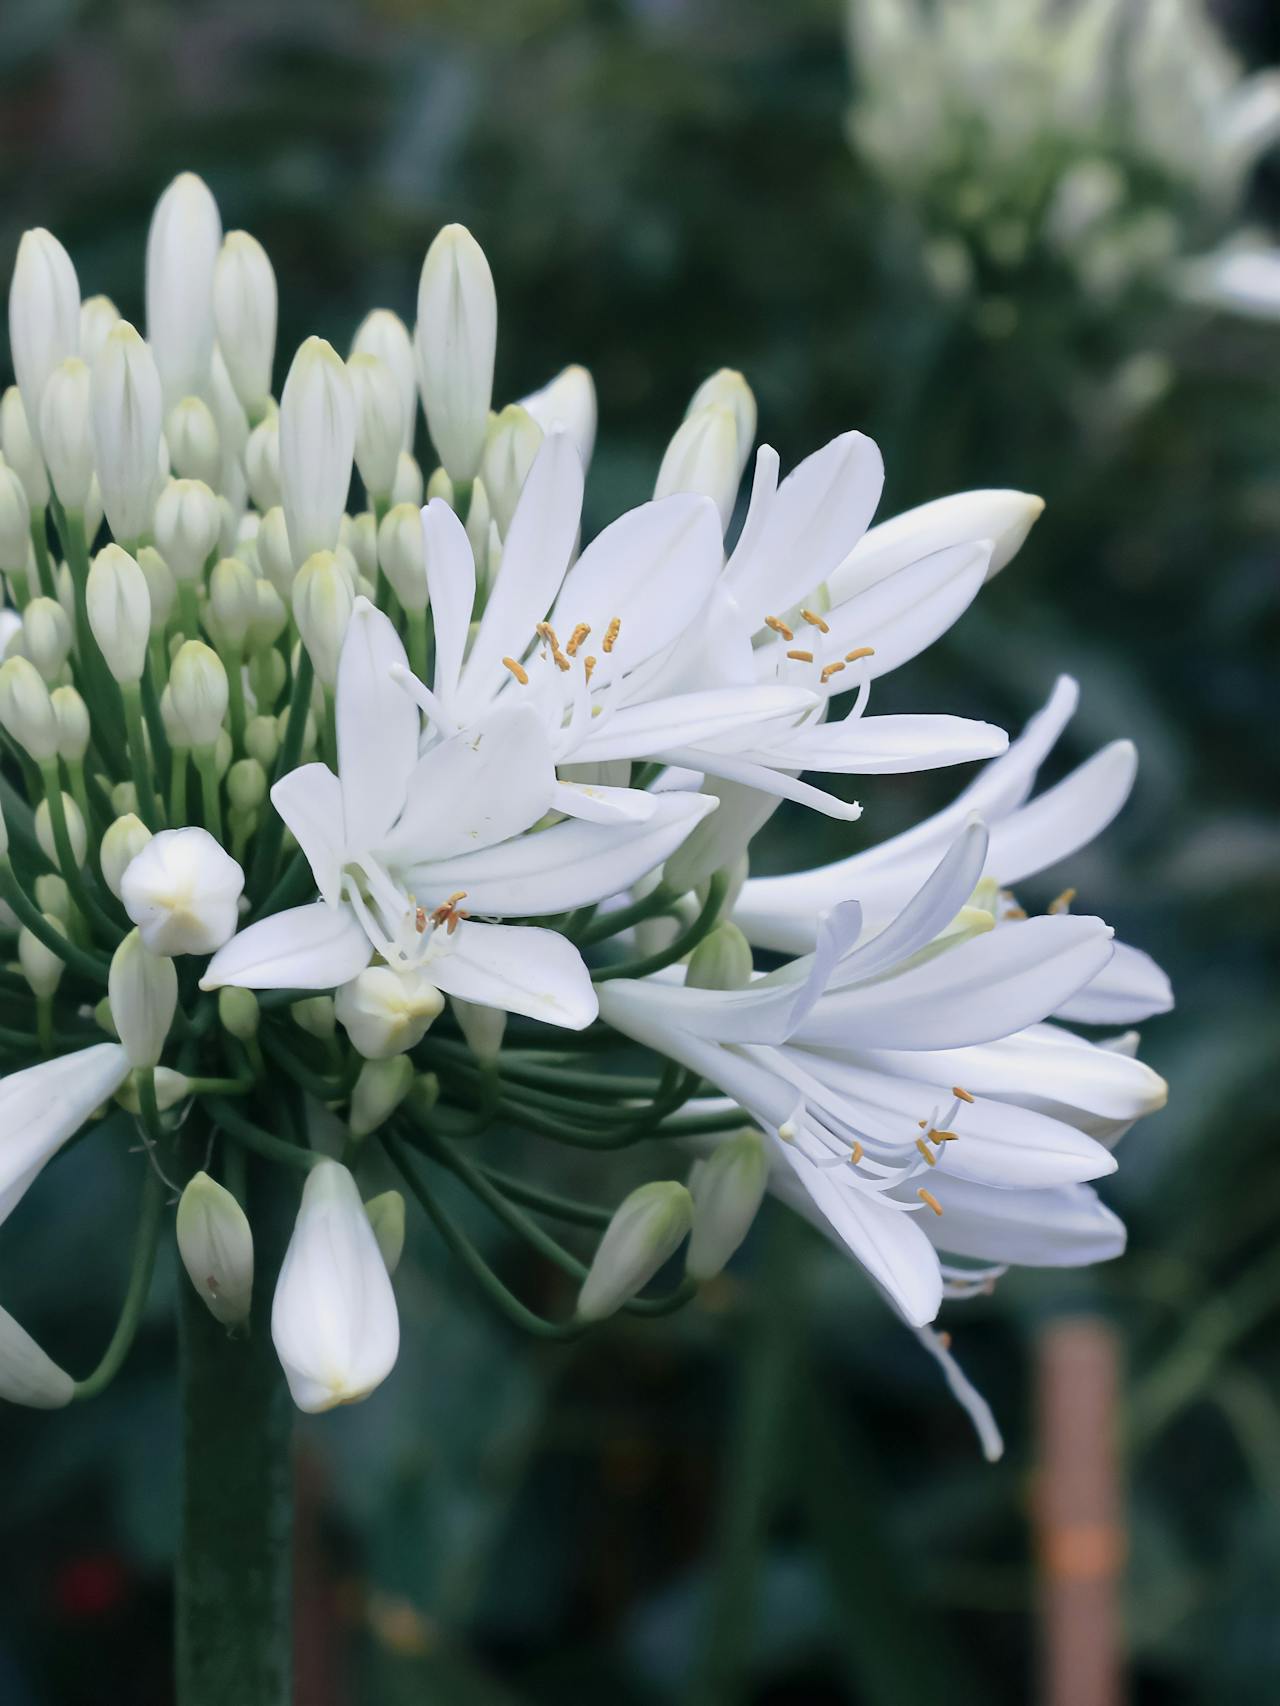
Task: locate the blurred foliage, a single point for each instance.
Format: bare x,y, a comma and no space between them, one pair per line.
770,1497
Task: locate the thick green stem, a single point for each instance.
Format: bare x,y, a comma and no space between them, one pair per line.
139,757
234,1637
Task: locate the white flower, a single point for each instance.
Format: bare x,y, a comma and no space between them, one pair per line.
44,1105
128,417
27,1374
44,325
215,1242
387,1012
182,890
333,1318
182,252
402,836
317,445
454,343
119,609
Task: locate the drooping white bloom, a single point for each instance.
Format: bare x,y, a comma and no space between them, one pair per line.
333,1318
44,322
244,312
647,1229
28,1375
454,344
44,1105
393,869
215,1242
182,890
317,446
128,416
182,252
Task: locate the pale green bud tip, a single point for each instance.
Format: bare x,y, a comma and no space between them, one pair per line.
238,1013
323,598
216,1246
386,1216
26,709
41,967
119,606
727,1190
647,1229
27,1375
121,843
199,691
380,1089
456,338
721,961
76,832
143,990
315,1016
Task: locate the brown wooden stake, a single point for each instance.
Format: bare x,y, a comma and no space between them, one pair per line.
1079,1515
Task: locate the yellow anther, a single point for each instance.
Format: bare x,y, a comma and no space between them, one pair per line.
588,664
1016,912
855,1154
1063,902
549,635
518,670
859,652
922,1124
925,1150
779,627
929,1200
816,621
801,657
937,1136
611,634
960,1094
944,1339
829,670
578,635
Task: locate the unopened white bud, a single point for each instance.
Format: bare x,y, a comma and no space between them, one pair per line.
386,1216
98,317
46,629
727,1190
380,1089
12,641
440,486
454,345
315,1016
198,683
379,421
93,512
407,487
403,556
275,554
128,414
704,456
27,1375
483,1028
233,599
317,444
186,527
233,427
44,320
119,608
162,589
513,441
270,618
122,841
323,599
142,988
195,451
262,740
20,450
387,1012
53,896
73,723
567,404
182,891
15,521
216,1245
182,251
77,835
246,784
262,462
726,388
26,710
244,310
385,335
333,1318
170,1088
721,960
647,1229
124,799
66,435
41,967
239,1013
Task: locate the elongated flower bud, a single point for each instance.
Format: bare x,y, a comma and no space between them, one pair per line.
195,449
244,311
386,1216
726,388
122,841
73,723
379,421
513,440
721,960
403,556
567,404
142,988
315,1016
182,251
182,890
162,588
262,462
233,599
704,457
198,683
317,444
65,433
387,1012
77,835
385,335
46,628
119,608
407,488
20,450
215,1242
381,1087
454,344
127,420
26,710
99,316
15,521
27,1375
727,1190
333,1318
647,1229
41,967
44,319
186,527
239,1013
323,599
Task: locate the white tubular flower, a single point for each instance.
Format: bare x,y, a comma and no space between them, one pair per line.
262,462
387,1012
26,710
44,1105
385,335
567,403
402,554
195,449
727,1190
122,841
455,341
647,1229
15,521
46,629
28,1375
704,456
198,684
182,252
182,890
333,1318
65,432
186,527
73,723
119,606
98,318
244,312
379,407
142,989
317,444
127,419
323,599
44,321
1004,517
215,1242
77,835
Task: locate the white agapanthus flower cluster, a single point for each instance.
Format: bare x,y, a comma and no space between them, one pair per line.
1113,139
362,827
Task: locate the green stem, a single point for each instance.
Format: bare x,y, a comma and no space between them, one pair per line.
139,758
210,795
622,918
40,544
90,910
685,943
417,647
272,831
188,610
178,787
234,661
88,965
251,1136
144,1255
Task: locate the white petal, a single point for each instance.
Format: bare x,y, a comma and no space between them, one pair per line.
1006,517
1063,818
1066,1227
377,724
571,864
309,800
881,746
596,802
451,585
1131,986
902,615
308,947
44,1105
535,972
639,731
764,777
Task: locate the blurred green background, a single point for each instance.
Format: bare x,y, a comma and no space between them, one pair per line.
770,1497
